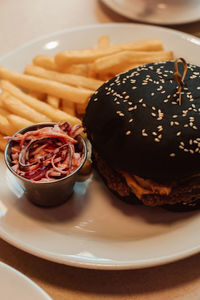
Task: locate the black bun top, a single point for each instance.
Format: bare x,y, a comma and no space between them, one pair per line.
136,125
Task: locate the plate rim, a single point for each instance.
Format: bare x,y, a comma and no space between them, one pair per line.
25,278
90,264
89,26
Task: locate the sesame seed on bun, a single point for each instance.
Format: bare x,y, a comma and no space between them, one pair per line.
137,124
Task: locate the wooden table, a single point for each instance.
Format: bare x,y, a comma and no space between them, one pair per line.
20,22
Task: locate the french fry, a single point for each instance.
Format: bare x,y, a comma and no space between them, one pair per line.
1,103
4,112
5,127
37,95
3,142
85,56
71,79
53,101
80,109
55,115
67,80
17,107
45,61
68,107
18,122
66,92
78,69
117,62
106,76
103,42
90,55
143,45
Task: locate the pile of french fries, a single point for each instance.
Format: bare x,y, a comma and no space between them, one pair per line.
58,88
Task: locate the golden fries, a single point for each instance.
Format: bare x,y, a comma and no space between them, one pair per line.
71,79
45,61
55,115
68,107
58,88
66,92
5,127
144,45
78,69
116,63
17,107
18,122
103,42
53,101
80,109
90,55
4,112
3,142
37,95
69,57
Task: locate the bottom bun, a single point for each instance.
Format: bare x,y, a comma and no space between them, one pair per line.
183,207
116,183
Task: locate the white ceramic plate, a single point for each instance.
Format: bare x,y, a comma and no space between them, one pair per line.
94,229
15,285
157,11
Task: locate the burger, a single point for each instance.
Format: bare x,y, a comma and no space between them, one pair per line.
144,127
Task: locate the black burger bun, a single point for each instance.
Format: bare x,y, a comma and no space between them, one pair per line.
135,123
184,197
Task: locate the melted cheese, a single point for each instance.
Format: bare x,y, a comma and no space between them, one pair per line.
140,186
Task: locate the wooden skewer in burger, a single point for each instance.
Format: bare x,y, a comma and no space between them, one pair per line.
144,127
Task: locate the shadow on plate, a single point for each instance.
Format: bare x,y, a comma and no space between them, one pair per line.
65,212
93,193
153,215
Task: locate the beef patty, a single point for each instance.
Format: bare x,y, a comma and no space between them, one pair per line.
185,192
